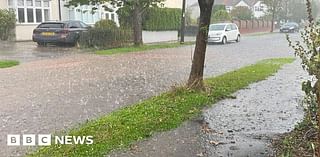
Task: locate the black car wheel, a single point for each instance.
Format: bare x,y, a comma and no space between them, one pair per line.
238,38
224,40
42,43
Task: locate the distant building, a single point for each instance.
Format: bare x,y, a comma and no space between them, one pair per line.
258,8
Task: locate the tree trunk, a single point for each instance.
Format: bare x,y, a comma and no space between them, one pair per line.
137,25
273,15
272,21
196,75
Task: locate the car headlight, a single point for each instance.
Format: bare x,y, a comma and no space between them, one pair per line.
291,27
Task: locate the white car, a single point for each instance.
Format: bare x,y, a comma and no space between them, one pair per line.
223,33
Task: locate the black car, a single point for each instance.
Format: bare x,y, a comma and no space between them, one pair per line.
289,27
67,32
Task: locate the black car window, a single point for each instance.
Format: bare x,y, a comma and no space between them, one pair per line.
234,27
74,25
228,27
83,25
51,25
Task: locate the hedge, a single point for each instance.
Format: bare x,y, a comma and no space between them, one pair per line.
161,19
105,38
7,24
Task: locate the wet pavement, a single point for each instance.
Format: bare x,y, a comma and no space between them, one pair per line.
30,51
47,95
248,123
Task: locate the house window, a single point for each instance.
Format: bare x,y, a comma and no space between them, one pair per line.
29,3
31,11
38,3
112,16
10,2
46,15
108,16
30,15
38,15
21,17
20,2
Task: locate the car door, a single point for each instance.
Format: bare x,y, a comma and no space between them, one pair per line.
234,32
229,32
75,30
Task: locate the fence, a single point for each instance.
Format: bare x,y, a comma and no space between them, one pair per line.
245,26
251,26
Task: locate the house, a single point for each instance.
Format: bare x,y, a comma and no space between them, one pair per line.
258,8
84,13
30,13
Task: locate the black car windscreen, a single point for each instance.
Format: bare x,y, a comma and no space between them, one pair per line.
51,25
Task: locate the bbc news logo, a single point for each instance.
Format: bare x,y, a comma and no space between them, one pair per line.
47,140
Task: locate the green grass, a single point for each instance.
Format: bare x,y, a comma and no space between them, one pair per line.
141,48
8,63
167,111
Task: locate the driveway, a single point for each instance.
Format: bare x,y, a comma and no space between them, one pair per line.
30,51
44,96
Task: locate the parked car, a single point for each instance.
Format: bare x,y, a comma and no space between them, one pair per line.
223,33
59,32
289,27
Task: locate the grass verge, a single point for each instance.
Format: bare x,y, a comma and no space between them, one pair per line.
141,48
161,113
8,63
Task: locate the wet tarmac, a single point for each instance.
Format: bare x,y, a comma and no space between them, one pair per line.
30,51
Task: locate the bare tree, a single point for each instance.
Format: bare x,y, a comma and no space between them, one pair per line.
196,76
274,7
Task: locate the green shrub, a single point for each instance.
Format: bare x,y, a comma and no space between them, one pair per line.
218,8
7,23
104,38
154,19
220,16
125,18
242,13
105,24
162,19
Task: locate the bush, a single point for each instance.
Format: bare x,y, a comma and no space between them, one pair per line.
217,8
242,13
105,24
220,16
162,19
154,19
7,24
105,38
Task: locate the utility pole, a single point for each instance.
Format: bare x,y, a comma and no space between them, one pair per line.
59,2
183,22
